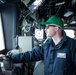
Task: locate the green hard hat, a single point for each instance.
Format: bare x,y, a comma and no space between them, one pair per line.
53,20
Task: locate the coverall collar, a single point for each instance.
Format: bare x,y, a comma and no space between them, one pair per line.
59,45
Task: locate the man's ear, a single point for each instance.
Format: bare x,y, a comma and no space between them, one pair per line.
57,28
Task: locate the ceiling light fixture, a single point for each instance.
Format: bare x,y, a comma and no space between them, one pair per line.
2,1
67,14
60,3
35,5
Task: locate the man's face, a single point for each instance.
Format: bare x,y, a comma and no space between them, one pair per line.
50,30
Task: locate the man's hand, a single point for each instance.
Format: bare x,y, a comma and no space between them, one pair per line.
1,55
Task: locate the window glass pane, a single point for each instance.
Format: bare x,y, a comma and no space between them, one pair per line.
70,33
2,44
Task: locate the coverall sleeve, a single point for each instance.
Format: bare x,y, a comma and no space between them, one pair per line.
73,51
35,55
74,56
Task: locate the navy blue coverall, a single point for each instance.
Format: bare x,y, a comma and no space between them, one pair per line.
58,59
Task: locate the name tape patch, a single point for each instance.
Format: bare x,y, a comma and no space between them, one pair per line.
61,55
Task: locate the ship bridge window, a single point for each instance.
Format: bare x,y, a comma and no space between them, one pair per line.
70,33
2,44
